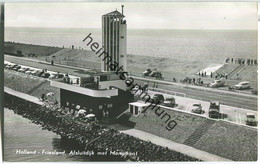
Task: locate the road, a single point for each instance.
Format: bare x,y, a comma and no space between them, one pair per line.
200,93
41,65
229,113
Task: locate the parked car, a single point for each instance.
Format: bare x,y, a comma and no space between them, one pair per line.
214,109
170,102
250,119
56,76
197,108
13,66
29,71
243,85
23,70
34,73
46,75
39,74
146,72
217,83
8,66
158,98
16,68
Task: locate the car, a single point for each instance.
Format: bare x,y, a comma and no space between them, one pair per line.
146,72
16,68
243,85
250,119
39,74
60,76
46,75
56,76
13,66
217,83
23,70
8,66
29,71
197,108
34,73
214,109
158,98
169,102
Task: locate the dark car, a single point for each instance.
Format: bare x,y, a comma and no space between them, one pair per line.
214,109
23,70
158,98
170,102
46,75
16,68
13,66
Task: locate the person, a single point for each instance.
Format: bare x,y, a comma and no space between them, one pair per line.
205,73
232,60
43,97
202,73
226,76
52,62
211,74
199,73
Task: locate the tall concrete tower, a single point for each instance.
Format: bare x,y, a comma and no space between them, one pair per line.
114,39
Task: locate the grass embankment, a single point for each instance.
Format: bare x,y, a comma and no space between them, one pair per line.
231,141
34,86
152,123
12,48
235,142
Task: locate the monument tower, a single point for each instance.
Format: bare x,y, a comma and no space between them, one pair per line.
114,39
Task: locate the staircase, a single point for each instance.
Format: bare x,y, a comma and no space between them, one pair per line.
236,71
37,86
199,132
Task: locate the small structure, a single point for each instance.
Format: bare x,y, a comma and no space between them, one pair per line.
136,108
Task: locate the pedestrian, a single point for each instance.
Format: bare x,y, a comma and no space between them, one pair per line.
205,73
231,60
226,76
252,61
199,73
212,74
202,73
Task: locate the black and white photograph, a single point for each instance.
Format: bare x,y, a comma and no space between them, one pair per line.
129,81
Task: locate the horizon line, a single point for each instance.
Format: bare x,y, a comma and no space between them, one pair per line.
140,28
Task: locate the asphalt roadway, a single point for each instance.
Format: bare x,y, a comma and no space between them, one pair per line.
200,93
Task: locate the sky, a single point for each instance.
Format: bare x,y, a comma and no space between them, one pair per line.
139,15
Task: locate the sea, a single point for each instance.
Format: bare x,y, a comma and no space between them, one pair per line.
206,45
199,44
20,135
